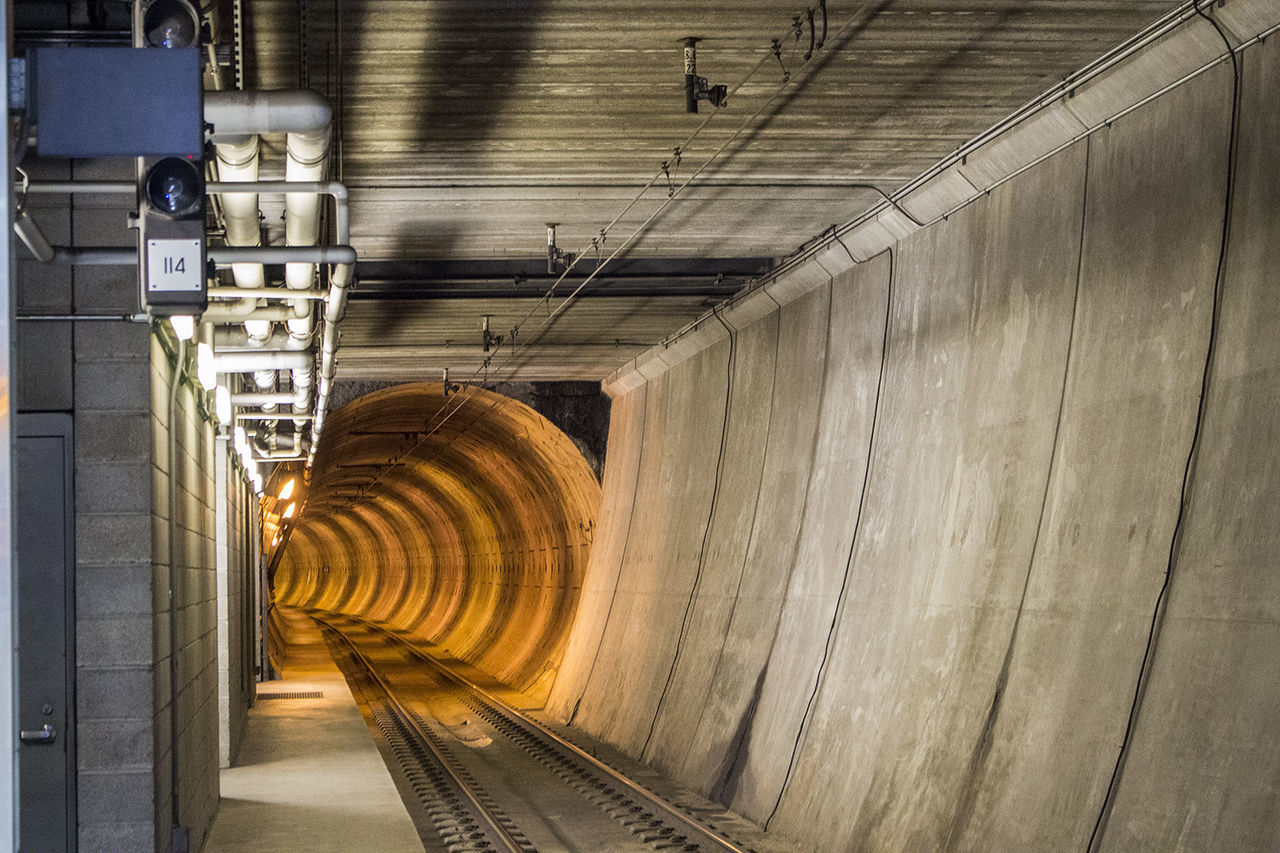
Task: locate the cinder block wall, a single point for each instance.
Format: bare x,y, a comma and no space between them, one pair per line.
113,377
194,579
236,563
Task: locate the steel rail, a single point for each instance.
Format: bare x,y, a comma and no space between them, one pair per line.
507,841
542,731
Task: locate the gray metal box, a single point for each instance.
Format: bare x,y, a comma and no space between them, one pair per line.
117,102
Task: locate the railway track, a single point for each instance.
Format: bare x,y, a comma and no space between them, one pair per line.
479,775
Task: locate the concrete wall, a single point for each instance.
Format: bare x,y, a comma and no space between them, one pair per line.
113,378
879,569
237,561
193,556
467,521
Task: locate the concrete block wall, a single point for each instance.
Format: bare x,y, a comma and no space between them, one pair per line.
236,562
115,652
195,590
879,568
113,378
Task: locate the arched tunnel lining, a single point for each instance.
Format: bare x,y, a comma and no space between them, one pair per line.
465,521
911,606
909,610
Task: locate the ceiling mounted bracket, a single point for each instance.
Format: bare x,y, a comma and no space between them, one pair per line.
556,255
697,88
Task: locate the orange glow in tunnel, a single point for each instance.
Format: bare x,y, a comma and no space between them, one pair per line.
466,521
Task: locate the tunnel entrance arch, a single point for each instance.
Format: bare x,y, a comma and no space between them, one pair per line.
466,520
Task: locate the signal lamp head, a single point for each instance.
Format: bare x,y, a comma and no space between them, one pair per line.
174,187
170,24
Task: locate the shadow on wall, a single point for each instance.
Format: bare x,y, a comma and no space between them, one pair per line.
467,521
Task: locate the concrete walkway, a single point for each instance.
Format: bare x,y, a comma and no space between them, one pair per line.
308,776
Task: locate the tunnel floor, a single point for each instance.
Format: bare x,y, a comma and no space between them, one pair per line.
308,777
460,748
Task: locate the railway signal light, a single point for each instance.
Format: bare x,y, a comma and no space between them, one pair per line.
171,205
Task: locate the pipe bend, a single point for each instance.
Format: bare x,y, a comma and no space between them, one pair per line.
237,114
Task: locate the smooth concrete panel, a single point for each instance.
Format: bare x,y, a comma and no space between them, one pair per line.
1204,768
750,390
760,372
725,711
684,426
1151,239
770,658
978,336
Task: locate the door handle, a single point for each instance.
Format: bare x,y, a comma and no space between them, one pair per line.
42,735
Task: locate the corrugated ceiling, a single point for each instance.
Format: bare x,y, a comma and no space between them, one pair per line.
466,126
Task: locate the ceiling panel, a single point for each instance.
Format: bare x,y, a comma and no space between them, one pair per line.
465,126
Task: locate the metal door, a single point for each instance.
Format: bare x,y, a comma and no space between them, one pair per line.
46,753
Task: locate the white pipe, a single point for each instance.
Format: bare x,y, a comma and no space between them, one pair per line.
228,340
222,256
237,114
239,312
237,161
265,293
261,398
305,118
248,362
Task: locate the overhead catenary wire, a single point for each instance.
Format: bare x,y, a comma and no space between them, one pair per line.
464,396
1193,451
640,230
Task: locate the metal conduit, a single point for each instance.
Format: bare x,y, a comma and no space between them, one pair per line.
262,398
305,119
235,312
236,116
267,293
222,256
248,362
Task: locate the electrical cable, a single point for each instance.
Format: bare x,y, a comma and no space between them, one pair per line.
1188,474
855,18
508,341
745,731
853,543
617,581
891,200
730,366
180,373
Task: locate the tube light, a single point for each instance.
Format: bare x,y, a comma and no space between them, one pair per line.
222,402
287,491
184,326
204,366
289,510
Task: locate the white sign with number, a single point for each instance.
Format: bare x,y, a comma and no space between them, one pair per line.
174,265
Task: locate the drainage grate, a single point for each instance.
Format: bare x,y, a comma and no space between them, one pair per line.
306,694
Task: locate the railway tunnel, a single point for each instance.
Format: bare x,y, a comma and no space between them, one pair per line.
936,503
467,520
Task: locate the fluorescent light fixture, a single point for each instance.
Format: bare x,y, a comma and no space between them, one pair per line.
222,402
287,491
183,326
204,366
289,510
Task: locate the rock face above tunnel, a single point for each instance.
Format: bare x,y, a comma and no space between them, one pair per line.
465,520
880,569
579,409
